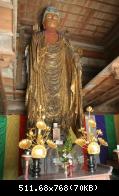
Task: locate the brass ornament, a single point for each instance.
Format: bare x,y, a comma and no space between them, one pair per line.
93,148
51,144
89,109
39,152
41,125
25,144
91,139
80,141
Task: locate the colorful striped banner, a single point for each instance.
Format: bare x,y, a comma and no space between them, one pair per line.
100,122
22,131
11,148
116,122
111,134
3,123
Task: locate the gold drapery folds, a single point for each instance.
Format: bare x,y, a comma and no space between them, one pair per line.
53,82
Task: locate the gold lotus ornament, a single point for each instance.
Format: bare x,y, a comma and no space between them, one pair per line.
25,144
39,152
80,141
99,132
82,130
31,133
40,139
102,141
51,144
47,128
93,148
41,125
89,109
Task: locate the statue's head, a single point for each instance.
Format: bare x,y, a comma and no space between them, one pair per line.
51,18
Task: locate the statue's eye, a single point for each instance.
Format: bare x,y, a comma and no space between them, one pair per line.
49,16
55,17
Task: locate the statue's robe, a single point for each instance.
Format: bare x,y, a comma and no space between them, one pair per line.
53,83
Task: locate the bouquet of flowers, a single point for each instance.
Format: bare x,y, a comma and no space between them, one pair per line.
64,151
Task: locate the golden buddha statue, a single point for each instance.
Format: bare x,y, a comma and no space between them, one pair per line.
53,79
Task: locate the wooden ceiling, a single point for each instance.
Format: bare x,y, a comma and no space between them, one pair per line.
89,21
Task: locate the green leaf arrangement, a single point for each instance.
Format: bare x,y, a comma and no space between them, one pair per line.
66,148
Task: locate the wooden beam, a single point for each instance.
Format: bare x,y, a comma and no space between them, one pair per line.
105,74
7,82
82,28
100,99
26,21
103,96
95,86
85,19
88,23
30,21
93,54
88,8
105,86
107,3
104,20
112,34
85,39
113,100
6,4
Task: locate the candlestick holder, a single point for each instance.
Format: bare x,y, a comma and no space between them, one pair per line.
36,168
27,157
91,163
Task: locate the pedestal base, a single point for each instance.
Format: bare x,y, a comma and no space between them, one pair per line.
91,163
36,168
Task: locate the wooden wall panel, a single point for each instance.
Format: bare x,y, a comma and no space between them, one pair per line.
5,20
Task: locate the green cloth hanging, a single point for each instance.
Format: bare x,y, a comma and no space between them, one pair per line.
3,123
111,134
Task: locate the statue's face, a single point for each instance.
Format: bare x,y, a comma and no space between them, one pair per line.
51,21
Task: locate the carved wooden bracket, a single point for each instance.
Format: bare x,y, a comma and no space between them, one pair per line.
115,69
